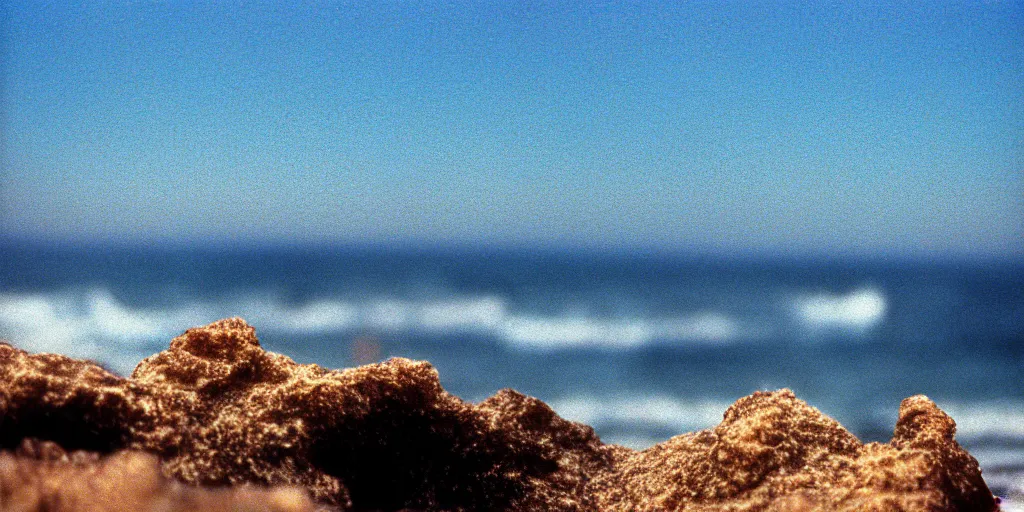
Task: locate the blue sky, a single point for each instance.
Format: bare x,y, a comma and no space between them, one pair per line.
721,127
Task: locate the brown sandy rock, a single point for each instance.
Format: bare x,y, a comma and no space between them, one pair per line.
774,452
41,476
383,436
217,410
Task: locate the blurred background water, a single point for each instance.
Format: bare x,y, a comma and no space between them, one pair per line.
641,347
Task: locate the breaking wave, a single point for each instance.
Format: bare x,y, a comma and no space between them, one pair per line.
85,324
560,332
1003,420
860,309
95,324
629,417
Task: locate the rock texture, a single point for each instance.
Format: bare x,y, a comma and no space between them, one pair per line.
41,476
216,410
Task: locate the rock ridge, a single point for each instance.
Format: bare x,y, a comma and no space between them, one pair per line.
215,413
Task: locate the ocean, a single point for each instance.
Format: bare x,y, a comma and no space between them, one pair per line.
641,347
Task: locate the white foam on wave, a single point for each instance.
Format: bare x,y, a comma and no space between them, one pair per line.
992,457
566,332
476,313
1008,485
708,327
547,333
1001,420
314,317
59,321
93,325
385,314
491,316
860,309
632,441
97,325
1014,504
639,413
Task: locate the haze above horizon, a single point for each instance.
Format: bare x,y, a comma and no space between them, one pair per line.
786,128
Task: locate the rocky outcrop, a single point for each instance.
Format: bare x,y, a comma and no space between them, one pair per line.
215,410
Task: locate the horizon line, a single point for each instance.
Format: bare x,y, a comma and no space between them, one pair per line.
409,247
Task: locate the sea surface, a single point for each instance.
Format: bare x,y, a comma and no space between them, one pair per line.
641,347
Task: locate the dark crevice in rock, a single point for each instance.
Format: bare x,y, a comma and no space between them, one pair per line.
70,427
75,404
